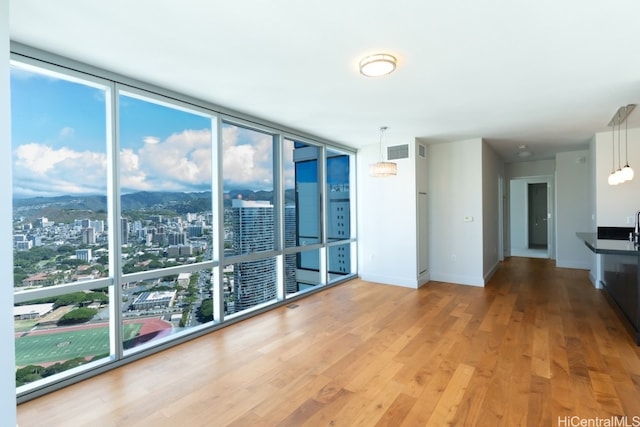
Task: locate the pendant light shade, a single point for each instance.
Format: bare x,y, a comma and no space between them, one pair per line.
383,169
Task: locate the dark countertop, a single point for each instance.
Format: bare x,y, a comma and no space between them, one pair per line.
608,246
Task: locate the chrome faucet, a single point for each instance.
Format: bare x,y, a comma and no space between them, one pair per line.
636,231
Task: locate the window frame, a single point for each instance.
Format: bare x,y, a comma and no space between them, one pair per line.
29,57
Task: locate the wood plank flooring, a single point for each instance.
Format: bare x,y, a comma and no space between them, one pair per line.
535,347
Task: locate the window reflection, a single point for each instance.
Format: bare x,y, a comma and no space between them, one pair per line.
338,196
302,271
302,209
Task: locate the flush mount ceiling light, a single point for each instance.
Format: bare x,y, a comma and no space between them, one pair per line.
378,65
524,152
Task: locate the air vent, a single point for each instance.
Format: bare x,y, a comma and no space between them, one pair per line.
398,152
422,151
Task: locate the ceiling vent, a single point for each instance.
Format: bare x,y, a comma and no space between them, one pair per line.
422,151
398,152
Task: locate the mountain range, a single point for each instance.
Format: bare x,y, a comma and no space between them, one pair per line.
69,207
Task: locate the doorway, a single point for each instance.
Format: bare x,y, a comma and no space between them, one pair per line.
538,218
531,224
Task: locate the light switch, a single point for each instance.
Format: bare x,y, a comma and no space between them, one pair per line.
468,218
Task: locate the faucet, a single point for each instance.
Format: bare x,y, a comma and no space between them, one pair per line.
636,231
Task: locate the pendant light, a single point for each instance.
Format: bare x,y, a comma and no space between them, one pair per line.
613,179
619,175
627,171
622,174
382,168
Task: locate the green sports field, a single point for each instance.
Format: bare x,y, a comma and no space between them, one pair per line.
58,346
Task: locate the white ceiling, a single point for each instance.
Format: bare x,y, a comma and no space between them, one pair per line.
546,73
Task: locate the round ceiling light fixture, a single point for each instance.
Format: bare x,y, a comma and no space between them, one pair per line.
378,65
524,152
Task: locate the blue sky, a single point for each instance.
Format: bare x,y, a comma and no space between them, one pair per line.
59,144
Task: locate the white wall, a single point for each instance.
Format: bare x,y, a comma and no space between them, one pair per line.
573,208
492,171
518,215
387,245
530,169
7,367
455,189
614,204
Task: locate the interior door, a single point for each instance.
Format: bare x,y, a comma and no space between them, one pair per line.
537,198
422,233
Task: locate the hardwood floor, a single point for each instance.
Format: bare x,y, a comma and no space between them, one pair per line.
536,346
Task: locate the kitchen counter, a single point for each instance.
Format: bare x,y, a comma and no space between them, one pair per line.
608,246
619,275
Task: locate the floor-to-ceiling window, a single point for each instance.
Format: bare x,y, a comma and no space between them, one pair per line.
251,277
142,219
339,218
60,143
303,210
165,170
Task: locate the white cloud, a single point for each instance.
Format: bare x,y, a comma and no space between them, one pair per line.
247,158
40,159
181,162
131,177
42,170
67,132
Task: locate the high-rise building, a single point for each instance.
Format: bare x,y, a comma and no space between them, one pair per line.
308,212
124,223
160,237
88,236
35,240
23,245
98,225
194,230
290,240
82,223
83,254
339,229
177,238
254,282
43,222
